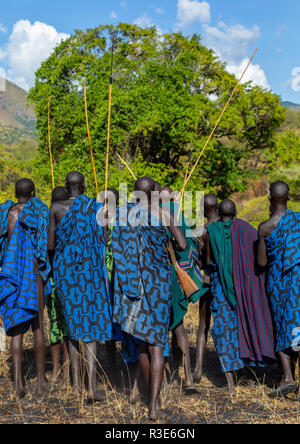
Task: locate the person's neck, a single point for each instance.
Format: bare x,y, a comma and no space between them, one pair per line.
279,209
23,200
75,193
225,219
212,216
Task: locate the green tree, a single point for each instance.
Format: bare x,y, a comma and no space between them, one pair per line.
168,93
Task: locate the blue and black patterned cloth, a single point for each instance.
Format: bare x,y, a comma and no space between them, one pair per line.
283,283
80,273
142,282
21,260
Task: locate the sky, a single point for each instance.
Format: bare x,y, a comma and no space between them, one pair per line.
30,29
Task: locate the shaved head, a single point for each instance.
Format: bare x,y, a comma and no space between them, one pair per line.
279,191
75,181
210,201
145,184
227,208
157,186
24,188
59,194
167,194
112,194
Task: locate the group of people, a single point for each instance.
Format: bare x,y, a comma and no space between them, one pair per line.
109,272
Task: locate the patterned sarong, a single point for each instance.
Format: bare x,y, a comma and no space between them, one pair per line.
283,280
58,329
80,274
142,283
22,259
255,329
224,330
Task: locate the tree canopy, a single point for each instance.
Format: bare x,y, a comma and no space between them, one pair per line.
168,92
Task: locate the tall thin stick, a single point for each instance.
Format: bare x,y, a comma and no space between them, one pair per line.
109,120
218,121
127,166
185,178
50,149
89,137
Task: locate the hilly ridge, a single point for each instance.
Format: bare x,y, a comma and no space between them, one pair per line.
17,120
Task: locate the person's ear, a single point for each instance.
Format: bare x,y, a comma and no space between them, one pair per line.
289,197
32,194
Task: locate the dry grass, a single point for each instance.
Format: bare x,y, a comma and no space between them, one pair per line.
250,405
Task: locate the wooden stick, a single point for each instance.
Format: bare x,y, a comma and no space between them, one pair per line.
185,178
127,166
50,150
89,137
109,120
218,121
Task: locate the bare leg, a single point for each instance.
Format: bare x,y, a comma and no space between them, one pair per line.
66,362
184,345
75,365
55,354
156,377
288,385
135,388
230,382
39,340
202,334
285,360
90,355
145,363
17,358
111,355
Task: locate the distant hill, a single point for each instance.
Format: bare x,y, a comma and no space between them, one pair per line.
17,121
291,106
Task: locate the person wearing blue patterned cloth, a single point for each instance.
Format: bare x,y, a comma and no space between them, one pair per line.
142,291
24,277
279,252
76,244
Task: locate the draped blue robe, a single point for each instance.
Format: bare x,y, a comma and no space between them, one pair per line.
21,260
142,286
80,274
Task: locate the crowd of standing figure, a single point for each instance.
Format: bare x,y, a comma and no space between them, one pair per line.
106,274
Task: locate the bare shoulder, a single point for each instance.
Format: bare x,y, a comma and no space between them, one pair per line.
15,211
265,228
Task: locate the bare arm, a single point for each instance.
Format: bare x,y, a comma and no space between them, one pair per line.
207,250
51,232
180,240
262,258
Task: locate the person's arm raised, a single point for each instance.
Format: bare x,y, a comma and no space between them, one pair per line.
175,230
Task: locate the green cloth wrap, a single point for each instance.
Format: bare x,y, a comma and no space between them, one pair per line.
186,260
220,241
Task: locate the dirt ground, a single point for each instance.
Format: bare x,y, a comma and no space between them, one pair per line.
210,406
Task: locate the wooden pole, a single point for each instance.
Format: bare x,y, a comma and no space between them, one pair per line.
185,178
109,120
50,149
218,121
89,137
127,166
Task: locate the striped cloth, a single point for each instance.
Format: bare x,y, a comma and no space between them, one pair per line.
255,330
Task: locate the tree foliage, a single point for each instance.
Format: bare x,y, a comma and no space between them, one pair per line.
167,95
